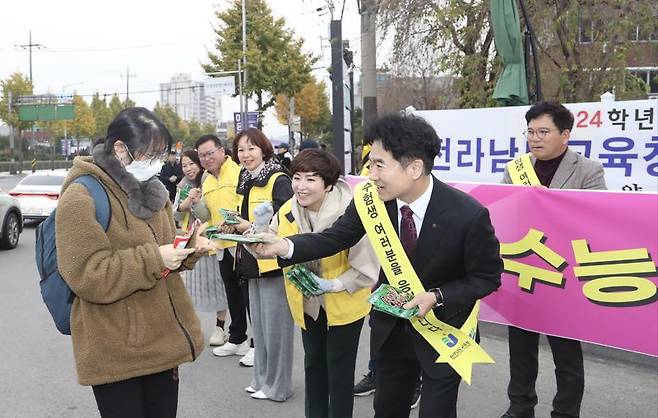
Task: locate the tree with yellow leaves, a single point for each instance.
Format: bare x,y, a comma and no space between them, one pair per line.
312,106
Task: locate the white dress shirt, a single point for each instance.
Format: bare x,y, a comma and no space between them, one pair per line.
418,207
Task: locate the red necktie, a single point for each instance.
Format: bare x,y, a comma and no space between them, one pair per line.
408,234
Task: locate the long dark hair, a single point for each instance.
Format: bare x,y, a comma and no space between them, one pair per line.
140,130
194,156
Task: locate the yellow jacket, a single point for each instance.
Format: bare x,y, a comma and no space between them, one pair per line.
342,307
258,195
221,192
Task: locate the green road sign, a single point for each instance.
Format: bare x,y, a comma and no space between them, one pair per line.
45,112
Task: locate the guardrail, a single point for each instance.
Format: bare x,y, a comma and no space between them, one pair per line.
29,166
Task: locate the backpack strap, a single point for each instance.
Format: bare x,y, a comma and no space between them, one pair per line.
99,195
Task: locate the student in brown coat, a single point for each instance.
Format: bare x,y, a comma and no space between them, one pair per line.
130,327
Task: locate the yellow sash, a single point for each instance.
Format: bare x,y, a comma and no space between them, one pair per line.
522,172
456,347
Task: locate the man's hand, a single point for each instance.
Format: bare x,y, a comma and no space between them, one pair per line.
172,179
425,302
271,248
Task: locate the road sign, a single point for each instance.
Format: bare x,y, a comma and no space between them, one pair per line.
252,120
45,112
219,86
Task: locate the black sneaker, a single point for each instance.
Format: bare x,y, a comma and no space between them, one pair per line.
366,386
416,399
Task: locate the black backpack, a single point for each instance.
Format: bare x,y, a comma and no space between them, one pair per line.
57,295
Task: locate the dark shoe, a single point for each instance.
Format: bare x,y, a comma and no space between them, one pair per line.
416,399
366,386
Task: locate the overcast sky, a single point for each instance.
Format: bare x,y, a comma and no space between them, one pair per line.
90,44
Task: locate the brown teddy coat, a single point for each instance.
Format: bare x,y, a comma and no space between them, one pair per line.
126,321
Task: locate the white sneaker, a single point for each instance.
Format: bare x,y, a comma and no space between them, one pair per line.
230,349
248,359
259,395
218,337
249,389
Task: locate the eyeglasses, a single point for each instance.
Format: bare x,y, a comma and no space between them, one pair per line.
539,133
152,156
209,154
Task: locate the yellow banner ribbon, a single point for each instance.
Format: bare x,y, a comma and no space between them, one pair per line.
456,347
522,172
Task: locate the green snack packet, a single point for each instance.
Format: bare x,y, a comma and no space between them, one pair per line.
230,216
300,276
185,192
390,300
211,232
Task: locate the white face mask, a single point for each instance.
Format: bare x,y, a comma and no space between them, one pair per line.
144,170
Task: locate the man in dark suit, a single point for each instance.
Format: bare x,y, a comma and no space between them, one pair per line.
451,245
556,167
170,174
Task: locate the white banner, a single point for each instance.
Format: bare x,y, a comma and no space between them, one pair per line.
623,136
219,86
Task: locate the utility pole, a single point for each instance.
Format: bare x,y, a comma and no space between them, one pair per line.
244,64
12,169
337,92
29,46
369,60
291,115
128,76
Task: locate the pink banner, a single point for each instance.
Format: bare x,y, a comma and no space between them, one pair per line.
578,264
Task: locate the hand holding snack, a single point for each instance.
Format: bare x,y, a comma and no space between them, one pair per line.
391,301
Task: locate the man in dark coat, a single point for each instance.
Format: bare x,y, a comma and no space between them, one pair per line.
451,246
171,174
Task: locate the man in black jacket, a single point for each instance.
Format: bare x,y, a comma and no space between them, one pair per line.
451,245
170,174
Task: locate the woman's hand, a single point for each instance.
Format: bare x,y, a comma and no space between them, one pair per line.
173,257
195,195
243,226
201,243
193,198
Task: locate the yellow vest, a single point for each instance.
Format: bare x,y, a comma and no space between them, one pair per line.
341,307
221,192
258,195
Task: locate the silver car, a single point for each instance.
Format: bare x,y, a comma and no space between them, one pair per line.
11,221
39,192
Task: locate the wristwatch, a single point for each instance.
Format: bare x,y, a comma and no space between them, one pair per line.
438,295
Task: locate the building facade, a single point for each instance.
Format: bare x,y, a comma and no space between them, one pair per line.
187,97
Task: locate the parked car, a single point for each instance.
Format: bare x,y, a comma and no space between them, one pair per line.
11,221
39,192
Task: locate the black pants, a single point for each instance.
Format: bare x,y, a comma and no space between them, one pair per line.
329,361
397,377
524,364
237,304
152,396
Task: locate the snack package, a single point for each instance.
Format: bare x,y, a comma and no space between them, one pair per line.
230,216
302,278
214,233
185,192
390,300
211,232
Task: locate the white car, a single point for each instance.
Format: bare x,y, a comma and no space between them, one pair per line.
39,192
11,221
